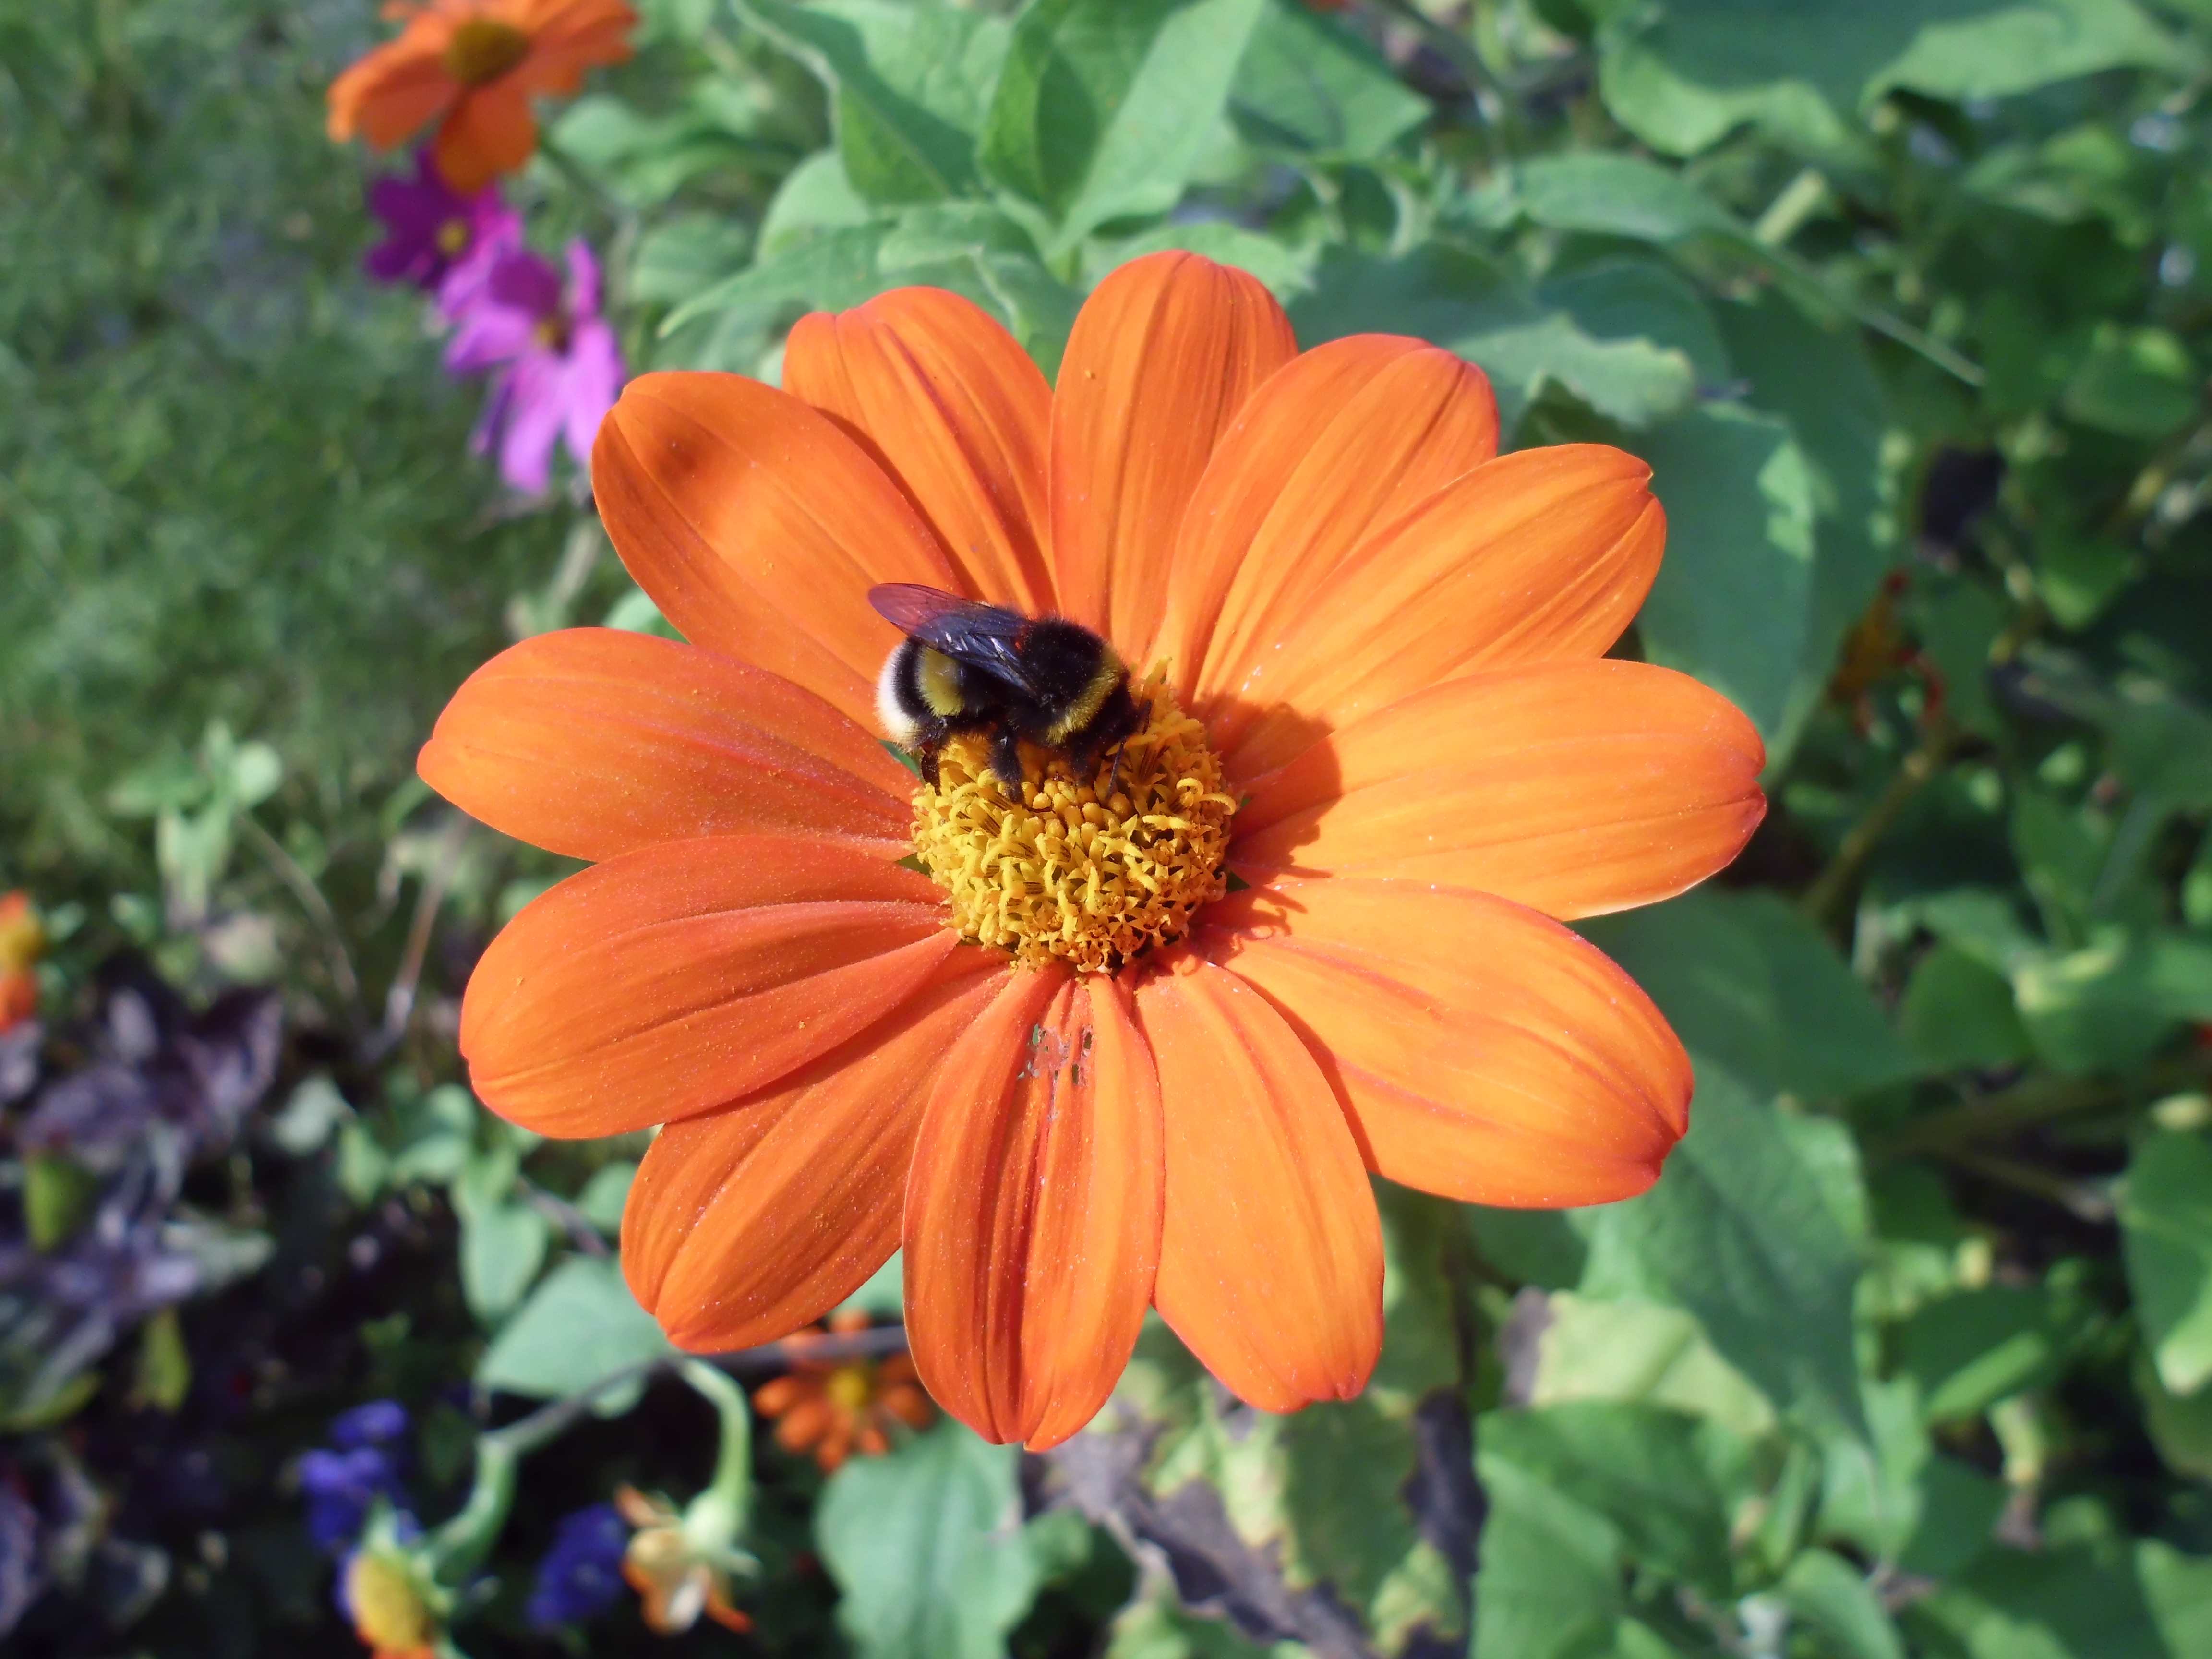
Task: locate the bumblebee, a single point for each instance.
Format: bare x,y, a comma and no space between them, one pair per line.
966,666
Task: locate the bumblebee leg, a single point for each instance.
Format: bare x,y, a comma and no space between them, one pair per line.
1006,758
928,740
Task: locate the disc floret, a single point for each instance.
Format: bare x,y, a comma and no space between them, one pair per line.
1094,868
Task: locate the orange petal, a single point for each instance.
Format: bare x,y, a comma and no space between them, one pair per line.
1483,1051
1344,440
1538,555
909,1403
745,1224
806,1423
592,743
1033,1213
395,91
1271,1257
489,133
757,526
1573,787
679,977
1163,355
958,414
567,37
778,1395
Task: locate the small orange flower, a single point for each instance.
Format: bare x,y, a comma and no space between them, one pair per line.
676,1579
389,1614
834,1408
473,66
1154,1084
22,942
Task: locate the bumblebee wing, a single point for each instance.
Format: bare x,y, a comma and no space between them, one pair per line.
984,636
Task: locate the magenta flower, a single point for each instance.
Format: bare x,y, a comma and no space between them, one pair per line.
557,367
430,230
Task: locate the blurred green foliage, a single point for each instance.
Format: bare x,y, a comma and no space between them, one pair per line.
1911,1350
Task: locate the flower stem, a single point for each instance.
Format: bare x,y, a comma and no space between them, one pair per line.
1836,882
2023,1106
734,1465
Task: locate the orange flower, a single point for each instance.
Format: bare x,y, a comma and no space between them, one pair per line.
473,66
22,942
834,1408
1392,641
677,1576
389,1614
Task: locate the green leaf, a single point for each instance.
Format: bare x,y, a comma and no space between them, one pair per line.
1741,1232
1822,383
311,1116
2166,1220
1286,269
1681,76
1666,1483
2178,1588
579,1325
830,269
1104,107
912,84
927,1548
2139,383
2179,1426
677,259
1609,194
165,1364
1959,1508
1550,1582
2000,50
1957,1014
1541,1247
1749,983
1155,1626
1342,1472
1683,79
1309,83
1734,603
601,1201
1832,1596
503,1247
1634,299
1641,1352
2111,1004
256,773
1468,304
817,195
2064,1603
1038,307
57,1197
1967,1352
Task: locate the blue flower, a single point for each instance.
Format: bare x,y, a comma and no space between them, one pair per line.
376,1424
582,1574
343,1484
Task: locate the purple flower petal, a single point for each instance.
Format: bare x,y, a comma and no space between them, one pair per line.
430,226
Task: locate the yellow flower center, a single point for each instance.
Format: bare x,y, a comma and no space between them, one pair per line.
1094,868
388,1614
453,237
481,49
850,1387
